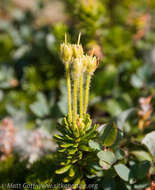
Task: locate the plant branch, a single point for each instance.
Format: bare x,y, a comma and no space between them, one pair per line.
87,92
81,96
69,93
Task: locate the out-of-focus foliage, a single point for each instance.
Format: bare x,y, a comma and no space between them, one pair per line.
33,92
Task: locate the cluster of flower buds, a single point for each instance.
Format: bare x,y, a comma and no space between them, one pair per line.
76,64
86,64
74,54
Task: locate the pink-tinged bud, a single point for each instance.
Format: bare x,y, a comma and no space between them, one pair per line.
66,52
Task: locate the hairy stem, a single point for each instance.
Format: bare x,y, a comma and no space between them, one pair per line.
75,90
87,93
69,93
81,96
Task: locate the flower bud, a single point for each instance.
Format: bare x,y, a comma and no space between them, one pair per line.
77,50
85,62
92,64
66,52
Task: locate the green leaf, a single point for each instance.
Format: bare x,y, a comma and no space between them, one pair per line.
136,81
118,139
107,156
76,182
119,154
94,145
142,169
109,134
58,137
142,185
71,172
62,150
40,107
66,179
149,141
63,170
72,151
122,117
84,148
142,155
113,107
83,185
104,165
122,171
66,145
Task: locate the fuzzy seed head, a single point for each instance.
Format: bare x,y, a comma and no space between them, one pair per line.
66,52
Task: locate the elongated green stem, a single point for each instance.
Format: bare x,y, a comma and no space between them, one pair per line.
81,96
75,90
87,93
69,93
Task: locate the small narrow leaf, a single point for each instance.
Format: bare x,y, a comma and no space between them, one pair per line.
58,137
84,148
63,170
83,185
66,179
62,150
76,183
66,145
71,172
72,151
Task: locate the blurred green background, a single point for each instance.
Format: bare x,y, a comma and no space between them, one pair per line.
31,72
32,79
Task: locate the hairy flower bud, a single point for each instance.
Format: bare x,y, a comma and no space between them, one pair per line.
91,65
77,50
85,62
66,52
